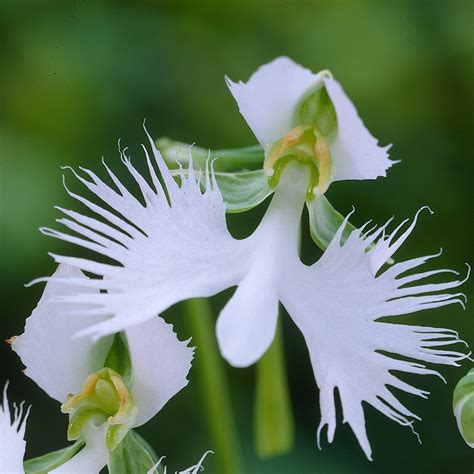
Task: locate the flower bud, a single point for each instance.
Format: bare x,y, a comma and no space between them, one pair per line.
463,407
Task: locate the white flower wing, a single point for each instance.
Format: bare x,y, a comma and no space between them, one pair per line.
12,434
268,100
58,363
160,365
172,247
354,151
337,304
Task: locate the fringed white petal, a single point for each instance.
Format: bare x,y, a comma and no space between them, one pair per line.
354,151
171,244
268,99
58,363
197,467
12,435
190,470
160,365
337,303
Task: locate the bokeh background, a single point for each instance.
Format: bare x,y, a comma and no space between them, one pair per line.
77,75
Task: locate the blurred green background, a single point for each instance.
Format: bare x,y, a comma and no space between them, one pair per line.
77,75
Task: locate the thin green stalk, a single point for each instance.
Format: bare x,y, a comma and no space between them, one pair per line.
274,426
214,388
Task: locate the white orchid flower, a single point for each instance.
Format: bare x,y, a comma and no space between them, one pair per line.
296,114
103,402
12,434
173,244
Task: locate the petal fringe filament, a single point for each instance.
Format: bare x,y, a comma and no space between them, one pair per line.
190,470
12,433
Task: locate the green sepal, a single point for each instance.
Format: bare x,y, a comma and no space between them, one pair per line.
463,407
133,454
48,462
324,221
118,358
240,191
274,425
243,191
228,159
317,109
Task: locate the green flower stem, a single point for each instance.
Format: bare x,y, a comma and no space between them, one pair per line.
214,388
274,426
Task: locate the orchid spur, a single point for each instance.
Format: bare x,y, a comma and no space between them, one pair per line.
108,387
172,243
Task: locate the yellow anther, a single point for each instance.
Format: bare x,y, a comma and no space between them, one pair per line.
324,163
87,391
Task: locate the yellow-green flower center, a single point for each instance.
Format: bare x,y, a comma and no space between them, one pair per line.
104,398
306,145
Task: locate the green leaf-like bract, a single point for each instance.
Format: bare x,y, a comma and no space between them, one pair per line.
243,191
48,462
133,454
317,109
118,358
324,221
